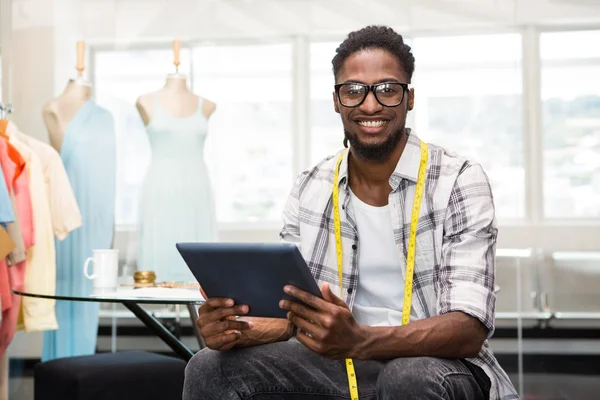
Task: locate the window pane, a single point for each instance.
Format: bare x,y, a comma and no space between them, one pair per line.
570,45
327,133
466,50
120,77
571,127
470,102
249,149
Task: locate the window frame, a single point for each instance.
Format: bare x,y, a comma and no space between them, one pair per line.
532,231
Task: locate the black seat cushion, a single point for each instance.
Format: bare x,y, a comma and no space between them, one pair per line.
127,375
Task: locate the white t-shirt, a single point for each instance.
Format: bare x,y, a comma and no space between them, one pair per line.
380,294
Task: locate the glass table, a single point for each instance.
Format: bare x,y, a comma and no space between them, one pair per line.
132,298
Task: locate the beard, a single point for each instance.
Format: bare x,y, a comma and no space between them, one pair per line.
374,152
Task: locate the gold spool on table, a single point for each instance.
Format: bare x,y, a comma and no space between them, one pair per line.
144,278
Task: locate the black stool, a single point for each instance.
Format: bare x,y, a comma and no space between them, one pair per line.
127,375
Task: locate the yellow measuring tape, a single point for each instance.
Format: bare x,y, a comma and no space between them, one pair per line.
410,260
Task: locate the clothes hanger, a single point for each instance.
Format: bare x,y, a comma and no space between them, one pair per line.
4,111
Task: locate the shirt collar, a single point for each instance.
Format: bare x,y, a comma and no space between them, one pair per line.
407,167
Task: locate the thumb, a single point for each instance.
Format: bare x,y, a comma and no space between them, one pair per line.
330,297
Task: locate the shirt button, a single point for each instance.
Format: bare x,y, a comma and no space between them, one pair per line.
350,291
354,247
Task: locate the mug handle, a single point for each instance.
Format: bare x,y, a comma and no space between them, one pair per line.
85,268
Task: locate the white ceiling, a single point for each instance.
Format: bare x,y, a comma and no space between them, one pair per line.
126,21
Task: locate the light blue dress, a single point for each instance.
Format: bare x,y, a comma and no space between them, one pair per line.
6,211
89,156
176,201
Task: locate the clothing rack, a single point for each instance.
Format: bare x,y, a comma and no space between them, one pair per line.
5,110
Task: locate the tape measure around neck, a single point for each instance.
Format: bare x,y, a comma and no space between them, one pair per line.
410,259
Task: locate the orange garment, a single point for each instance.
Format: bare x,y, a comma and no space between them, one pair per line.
18,181
12,167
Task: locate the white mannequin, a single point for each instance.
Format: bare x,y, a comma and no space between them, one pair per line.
175,97
58,112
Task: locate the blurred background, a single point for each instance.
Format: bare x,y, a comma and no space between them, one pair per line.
513,84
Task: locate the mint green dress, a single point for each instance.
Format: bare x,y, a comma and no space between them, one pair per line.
177,199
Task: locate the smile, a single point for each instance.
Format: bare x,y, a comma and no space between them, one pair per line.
373,124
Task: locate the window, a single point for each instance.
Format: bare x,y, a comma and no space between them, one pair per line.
249,145
570,89
120,78
468,100
468,91
327,133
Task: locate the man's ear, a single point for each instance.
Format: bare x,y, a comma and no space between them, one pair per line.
335,103
411,99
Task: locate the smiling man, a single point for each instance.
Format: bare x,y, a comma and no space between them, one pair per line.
401,236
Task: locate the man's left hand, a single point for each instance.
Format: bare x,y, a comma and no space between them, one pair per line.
329,328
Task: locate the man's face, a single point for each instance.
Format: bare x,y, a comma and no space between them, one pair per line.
372,129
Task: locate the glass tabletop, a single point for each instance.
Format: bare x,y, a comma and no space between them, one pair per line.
147,295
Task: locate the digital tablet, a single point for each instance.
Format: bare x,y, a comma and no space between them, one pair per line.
249,273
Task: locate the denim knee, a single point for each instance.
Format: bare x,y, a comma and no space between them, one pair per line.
410,377
204,377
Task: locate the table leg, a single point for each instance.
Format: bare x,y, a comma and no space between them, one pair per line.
178,347
194,317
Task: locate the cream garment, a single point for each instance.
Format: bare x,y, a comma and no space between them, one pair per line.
64,210
40,273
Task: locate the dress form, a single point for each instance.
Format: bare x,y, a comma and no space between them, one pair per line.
58,112
85,136
176,188
175,97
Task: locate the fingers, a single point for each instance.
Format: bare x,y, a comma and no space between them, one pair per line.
222,342
218,328
212,315
301,310
216,302
306,297
309,342
304,325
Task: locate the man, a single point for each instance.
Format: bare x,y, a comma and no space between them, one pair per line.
443,352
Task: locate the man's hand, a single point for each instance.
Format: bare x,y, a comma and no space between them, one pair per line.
218,324
329,328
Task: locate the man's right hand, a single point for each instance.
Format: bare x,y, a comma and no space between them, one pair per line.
221,331
218,324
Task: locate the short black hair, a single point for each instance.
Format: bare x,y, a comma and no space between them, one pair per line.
375,37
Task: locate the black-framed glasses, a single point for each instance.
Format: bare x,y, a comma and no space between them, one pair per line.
388,94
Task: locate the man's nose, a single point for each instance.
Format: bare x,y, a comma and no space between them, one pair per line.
370,105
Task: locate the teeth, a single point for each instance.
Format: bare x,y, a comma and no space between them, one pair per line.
372,124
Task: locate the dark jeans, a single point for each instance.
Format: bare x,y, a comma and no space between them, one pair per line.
288,370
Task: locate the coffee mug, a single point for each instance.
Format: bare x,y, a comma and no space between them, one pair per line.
105,268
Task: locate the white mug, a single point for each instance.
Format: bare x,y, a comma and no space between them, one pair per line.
105,267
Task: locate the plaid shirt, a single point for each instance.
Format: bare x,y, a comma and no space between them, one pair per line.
456,238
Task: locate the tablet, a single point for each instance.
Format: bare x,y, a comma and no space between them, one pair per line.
249,273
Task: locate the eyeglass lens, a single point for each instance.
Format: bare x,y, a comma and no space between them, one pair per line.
388,94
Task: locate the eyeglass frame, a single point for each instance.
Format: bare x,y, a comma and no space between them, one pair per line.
370,88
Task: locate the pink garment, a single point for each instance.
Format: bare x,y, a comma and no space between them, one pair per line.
7,166
16,178
8,327
5,293
15,175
